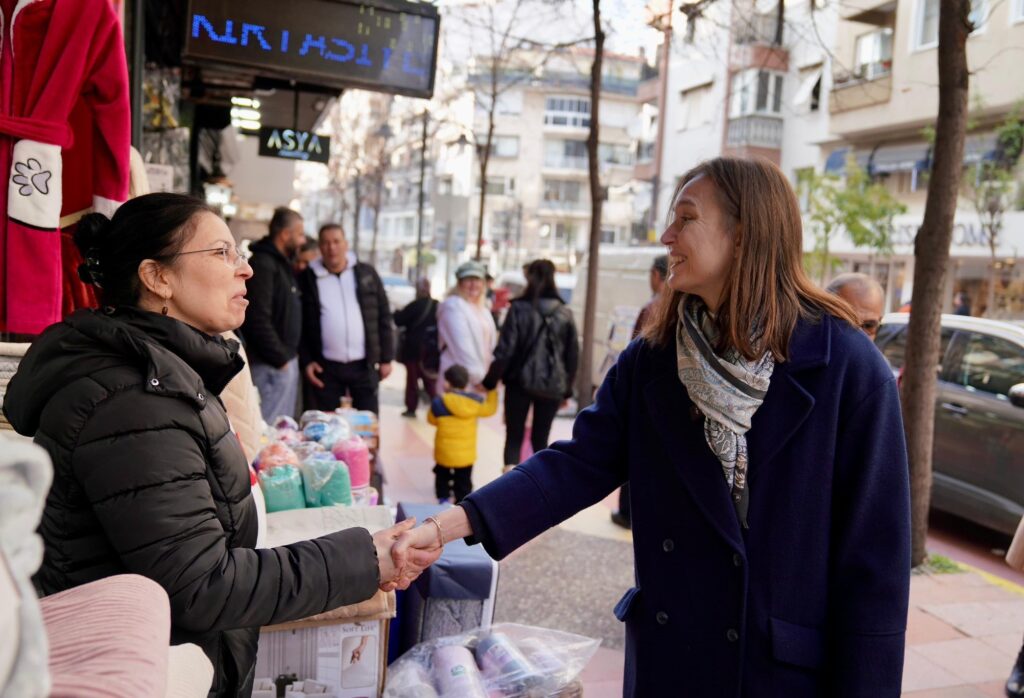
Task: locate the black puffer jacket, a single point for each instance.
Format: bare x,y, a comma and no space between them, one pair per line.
150,479
273,322
519,335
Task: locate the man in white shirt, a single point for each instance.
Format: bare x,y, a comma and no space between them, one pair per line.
348,340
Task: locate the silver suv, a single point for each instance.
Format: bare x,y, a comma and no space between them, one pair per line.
978,458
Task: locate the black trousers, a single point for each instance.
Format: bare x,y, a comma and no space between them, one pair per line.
357,378
517,405
453,481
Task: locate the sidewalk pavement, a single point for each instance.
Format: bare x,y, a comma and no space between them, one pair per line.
964,629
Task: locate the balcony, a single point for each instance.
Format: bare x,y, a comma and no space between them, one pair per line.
853,91
566,162
753,29
754,131
564,206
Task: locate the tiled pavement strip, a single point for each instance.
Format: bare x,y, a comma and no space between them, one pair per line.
964,630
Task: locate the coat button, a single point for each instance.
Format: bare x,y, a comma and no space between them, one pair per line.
737,560
661,617
154,382
668,546
731,635
200,396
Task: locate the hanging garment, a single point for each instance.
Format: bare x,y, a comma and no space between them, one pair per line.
65,127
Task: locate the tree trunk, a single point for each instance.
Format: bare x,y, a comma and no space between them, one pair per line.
931,257
485,160
780,22
377,200
357,211
585,391
990,305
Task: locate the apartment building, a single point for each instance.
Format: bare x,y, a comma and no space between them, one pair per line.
884,94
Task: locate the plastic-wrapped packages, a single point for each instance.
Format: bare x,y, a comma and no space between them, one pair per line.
289,436
282,488
356,455
514,661
326,481
311,416
273,455
306,449
283,422
365,496
327,434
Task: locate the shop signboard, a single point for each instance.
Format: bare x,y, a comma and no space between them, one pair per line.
294,144
380,45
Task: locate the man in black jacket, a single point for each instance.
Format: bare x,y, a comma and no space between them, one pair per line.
348,340
273,321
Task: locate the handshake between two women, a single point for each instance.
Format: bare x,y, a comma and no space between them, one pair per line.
403,552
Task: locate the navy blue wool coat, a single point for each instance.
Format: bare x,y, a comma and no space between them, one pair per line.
811,600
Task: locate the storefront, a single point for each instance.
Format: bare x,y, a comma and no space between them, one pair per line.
971,263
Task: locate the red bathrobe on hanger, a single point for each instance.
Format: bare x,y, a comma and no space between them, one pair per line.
60,63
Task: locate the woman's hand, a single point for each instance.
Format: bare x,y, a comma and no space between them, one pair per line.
392,576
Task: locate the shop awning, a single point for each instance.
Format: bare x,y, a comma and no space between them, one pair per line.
980,147
836,161
886,159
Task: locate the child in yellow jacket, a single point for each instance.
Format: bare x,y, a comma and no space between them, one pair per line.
455,414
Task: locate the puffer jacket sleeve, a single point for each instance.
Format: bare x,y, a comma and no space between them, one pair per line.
159,514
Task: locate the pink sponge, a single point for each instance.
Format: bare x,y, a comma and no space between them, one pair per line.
356,456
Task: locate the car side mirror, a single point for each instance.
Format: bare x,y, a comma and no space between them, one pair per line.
1017,395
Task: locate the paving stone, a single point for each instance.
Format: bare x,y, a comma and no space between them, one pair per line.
969,659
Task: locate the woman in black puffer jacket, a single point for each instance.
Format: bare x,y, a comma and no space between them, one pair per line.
149,477
536,357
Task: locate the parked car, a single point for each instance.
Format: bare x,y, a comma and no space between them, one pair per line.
978,457
399,290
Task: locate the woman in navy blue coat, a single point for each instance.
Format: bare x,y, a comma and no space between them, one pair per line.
760,432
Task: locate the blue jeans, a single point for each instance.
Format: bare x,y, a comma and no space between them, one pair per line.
279,388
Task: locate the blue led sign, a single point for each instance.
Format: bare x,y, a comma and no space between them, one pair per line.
386,45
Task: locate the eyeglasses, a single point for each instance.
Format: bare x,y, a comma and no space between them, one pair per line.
232,256
870,325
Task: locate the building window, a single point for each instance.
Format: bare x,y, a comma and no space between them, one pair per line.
608,236
927,33
615,154
567,111
694,106
565,232
1017,14
503,146
565,154
874,54
755,92
498,186
562,191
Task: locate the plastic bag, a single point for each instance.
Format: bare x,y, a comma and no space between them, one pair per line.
512,660
312,416
327,434
356,455
282,422
274,455
282,488
326,481
307,449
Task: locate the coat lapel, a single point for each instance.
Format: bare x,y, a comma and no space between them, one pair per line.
788,403
693,460
785,409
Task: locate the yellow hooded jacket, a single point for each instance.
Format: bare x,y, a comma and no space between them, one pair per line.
455,414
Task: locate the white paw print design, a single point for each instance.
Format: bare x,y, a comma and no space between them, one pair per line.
31,177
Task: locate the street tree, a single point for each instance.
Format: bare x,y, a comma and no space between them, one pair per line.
585,390
931,260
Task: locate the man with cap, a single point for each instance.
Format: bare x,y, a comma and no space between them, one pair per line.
466,331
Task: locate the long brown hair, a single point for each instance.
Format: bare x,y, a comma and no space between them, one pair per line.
767,290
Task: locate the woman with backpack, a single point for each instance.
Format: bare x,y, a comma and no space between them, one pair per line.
536,357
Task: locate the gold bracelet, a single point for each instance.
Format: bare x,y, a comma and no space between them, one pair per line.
440,533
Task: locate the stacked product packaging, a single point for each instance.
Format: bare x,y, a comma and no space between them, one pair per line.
321,460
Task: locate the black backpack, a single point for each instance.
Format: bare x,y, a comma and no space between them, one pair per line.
543,373
430,351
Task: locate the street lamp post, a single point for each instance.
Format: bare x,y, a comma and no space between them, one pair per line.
423,174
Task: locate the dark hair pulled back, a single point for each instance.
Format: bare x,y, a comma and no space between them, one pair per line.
540,281
153,226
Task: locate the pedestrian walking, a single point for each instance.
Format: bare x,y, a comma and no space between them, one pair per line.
656,278
536,358
348,339
761,430
1015,559
865,296
148,477
418,352
455,413
273,322
465,328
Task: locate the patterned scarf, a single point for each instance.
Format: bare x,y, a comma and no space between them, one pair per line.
728,390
